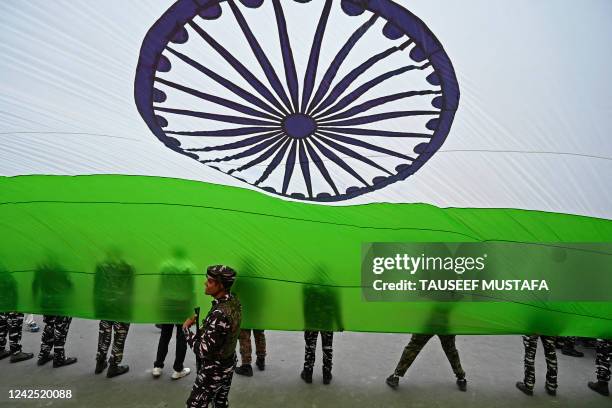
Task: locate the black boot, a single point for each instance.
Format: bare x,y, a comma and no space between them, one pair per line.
462,384
21,356
550,391
392,381
260,363
114,370
44,359
306,376
521,386
101,364
64,362
4,354
327,377
572,352
600,387
245,370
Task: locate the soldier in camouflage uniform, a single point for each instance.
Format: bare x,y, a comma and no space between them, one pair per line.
54,338
246,351
215,343
11,323
321,315
106,329
531,345
414,347
438,318
113,285
51,287
604,352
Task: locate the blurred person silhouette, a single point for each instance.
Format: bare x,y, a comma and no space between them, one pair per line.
322,315
51,288
176,299
113,292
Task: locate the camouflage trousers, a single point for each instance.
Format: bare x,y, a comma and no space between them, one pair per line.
416,344
245,344
54,336
11,323
104,340
531,345
310,338
212,386
602,361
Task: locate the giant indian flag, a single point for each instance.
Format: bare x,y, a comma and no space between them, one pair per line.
141,141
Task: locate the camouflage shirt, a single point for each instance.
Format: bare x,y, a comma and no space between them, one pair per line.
216,341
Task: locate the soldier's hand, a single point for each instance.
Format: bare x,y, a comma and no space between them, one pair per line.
188,323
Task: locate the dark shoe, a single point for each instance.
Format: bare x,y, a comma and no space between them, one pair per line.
521,386
260,363
392,381
600,387
44,359
306,376
115,370
4,354
327,377
21,356
572,352
245,370
462,384
64,362
550,391
100,366
591,344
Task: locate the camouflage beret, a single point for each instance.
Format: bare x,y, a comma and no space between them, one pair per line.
222,273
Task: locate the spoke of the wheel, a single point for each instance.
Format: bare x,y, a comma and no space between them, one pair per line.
375,132
275,162
289,166
240,120
333,157
246,95
351,97
313,59
236,145
351,153
263,60
338,60
241,131
356,73
372,104
265,155
304,164
319,163
378,117
288,61
239,67
365,145
249,152
217,100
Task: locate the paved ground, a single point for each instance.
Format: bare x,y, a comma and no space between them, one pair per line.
362,362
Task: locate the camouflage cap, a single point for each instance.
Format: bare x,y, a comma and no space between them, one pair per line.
222,273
